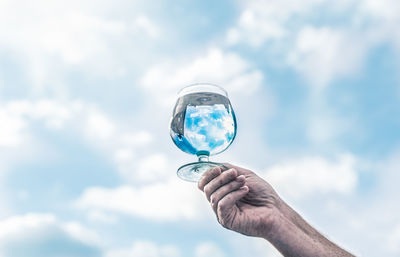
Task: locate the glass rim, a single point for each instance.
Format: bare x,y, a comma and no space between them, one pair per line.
212,88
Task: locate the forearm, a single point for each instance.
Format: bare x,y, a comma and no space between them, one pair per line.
313,233
293,236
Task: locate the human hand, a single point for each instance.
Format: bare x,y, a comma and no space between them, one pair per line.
241,200
247,204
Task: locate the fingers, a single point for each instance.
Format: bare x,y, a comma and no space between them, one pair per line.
225,205
208,176
224,178
240,170
223,189
218,194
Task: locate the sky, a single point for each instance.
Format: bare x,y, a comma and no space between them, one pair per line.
87,88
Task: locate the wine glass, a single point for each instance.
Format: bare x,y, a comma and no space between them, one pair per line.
203,123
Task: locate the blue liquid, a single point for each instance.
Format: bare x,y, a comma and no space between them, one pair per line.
207,129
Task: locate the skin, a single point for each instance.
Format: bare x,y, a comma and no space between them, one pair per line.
245,203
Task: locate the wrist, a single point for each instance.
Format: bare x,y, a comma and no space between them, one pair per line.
278,216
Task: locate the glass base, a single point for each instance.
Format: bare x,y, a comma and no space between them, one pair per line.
193,171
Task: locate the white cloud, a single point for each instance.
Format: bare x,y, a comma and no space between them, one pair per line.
146,249
208,249
68,35
139,138
324,127
11,129
117,140
49,39
34,234
226,69
263,21
322,54
394,240
17,226
55,113
320,51
153,167
303,177
17,142
139,168
99,127
371,212
101,217
14,225
169,201
81,233
383,18
387,10
251,246
123,143
132,164
143,23
18,114
255,30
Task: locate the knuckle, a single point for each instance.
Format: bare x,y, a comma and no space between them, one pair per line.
215,171
213,199
209,171
222,205
207,190
229,174
220,182
233,174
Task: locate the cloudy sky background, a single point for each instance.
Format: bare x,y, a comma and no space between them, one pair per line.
87,88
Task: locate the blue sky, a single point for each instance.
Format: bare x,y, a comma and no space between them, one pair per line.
87,167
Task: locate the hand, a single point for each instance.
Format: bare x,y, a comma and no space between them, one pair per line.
247,204
241,200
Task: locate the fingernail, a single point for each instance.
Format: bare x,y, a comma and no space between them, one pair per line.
243,188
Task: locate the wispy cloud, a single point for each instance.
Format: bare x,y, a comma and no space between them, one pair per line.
304,177
146,249
227,69
35,234
306,38
162,201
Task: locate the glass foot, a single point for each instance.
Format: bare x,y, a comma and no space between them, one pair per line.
193,171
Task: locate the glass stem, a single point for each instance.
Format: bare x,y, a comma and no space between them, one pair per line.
203,158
